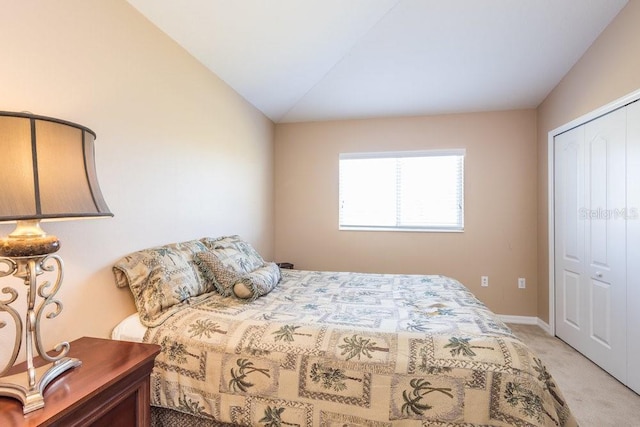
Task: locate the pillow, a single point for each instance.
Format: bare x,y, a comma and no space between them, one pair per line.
162,280
133,267
231,280
235,253
259,282
215,271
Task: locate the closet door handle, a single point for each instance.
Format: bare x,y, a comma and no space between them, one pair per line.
598,275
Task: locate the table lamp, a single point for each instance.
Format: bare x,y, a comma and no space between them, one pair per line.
47,173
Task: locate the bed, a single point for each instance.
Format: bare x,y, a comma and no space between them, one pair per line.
326,348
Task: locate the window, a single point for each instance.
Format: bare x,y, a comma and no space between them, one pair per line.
409,191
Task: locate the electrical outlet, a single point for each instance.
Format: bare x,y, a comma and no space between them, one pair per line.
484,281
522,283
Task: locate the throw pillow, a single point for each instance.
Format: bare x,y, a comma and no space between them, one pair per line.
258,283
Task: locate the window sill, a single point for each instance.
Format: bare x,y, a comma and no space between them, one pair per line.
404,229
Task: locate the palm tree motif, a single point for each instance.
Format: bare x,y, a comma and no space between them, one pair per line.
532,405
418,326
273,418
413,401
189,406
411,304
330,378
244,264
175,351
287,332
357,346
461,346
545,377
205,327
165,252
243,261
238,378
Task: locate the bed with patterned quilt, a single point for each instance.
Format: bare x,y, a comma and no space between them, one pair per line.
246,343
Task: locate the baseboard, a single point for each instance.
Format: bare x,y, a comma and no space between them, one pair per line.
526,320
544,326
519,320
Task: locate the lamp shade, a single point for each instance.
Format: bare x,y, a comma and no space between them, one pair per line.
47,170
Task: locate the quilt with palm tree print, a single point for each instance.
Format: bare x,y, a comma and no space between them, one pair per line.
329,348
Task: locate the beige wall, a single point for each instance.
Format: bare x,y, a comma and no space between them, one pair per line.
500,202
609,70
179,154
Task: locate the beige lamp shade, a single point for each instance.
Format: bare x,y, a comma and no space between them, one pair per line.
47,170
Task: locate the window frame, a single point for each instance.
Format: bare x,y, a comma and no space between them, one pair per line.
457,228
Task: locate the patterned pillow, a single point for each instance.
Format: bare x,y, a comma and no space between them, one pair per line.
235,253
216,272
259,282
162,280
133,267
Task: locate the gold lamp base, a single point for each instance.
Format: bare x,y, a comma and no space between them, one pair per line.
27,253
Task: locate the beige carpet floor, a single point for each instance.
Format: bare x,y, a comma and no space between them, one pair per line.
595,397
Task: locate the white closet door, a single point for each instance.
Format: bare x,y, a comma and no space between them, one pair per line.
633,246
605,240
591,240
571,310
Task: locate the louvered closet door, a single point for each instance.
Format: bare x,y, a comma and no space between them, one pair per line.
590,246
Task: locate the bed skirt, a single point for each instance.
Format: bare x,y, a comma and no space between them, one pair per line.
164,417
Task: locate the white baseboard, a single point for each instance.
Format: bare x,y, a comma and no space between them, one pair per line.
526,320
544,326
518,320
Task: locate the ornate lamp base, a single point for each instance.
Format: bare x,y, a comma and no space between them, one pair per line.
26,254
32,398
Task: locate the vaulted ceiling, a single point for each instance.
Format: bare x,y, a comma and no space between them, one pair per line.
310,60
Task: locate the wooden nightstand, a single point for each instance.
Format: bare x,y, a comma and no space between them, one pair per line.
110,388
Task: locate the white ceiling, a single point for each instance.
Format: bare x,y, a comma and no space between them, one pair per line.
309,60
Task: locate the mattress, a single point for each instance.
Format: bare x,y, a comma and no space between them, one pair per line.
129,329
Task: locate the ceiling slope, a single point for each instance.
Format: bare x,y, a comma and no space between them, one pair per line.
311,60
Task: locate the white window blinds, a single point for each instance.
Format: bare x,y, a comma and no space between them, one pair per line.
419,191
